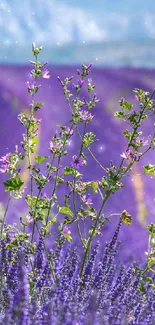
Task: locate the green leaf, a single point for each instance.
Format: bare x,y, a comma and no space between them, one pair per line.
51,222
66,210
127,106
68,171
127,134
68,221
13,184
119,114
68,237
40,159
149,169
71,171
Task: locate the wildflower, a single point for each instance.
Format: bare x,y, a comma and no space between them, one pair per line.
141,142
78,71
122,101
55,145
80,83
66,230
69,131
30,85
32,88
85,200
79,186
129,155
29,219
45,74
85,116
77,161
6,163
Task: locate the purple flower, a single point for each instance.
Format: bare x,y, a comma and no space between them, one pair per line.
141,141
69,79
78,71
129,155
69,131
30,85
66,231
85,116
85,200
80,186
77,161
122,101
29,219
80,82
6,163
55,145
90,65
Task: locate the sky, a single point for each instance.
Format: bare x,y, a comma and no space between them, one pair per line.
62,24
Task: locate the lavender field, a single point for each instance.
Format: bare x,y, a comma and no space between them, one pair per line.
137,197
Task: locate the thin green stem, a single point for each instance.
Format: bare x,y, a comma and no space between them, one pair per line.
92,234
55,183
91,151
4,219
48,174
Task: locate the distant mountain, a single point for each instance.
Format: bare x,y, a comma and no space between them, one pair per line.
112,54
112,28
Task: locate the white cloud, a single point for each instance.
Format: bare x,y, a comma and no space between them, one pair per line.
53,23
149,21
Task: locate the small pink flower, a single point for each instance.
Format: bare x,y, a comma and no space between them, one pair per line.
6,163
85,200
80,186
45,74
5,158
129,155
29,219
69,131
55,145
66,231
30,85
85,116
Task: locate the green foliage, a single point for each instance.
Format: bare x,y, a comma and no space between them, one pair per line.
13,184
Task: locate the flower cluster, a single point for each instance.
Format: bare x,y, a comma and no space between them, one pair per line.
42,285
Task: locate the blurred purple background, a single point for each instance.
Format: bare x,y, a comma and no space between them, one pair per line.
137,196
